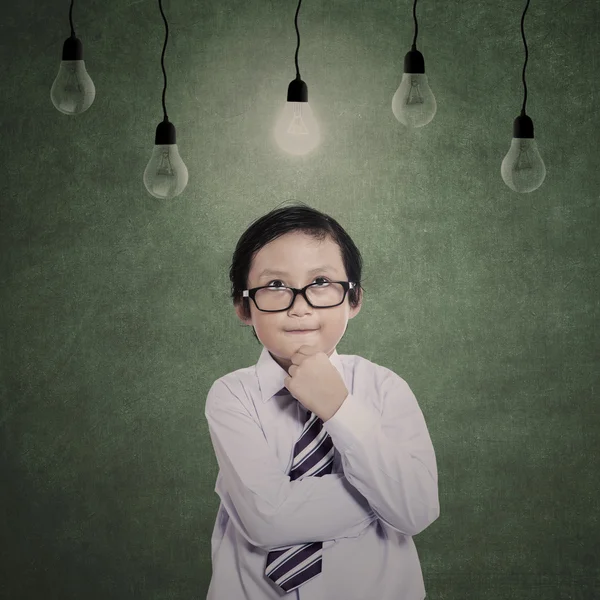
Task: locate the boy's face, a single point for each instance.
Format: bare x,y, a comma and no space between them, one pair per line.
297,254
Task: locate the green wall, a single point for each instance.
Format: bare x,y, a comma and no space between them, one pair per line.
115,316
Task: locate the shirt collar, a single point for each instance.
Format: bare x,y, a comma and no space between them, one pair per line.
271,375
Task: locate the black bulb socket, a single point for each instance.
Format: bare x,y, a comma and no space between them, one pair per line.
72,49
165,134
523,127
297,91
414,62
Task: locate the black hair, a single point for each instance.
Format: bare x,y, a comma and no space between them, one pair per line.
299,217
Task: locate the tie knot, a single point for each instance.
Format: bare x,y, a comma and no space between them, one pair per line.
309,414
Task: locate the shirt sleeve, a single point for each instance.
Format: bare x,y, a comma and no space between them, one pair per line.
388,456
271,511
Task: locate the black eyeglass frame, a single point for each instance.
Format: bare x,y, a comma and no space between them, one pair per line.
347,285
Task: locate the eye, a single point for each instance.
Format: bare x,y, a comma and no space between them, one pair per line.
323,278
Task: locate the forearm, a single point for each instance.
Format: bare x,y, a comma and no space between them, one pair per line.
333,509
313,509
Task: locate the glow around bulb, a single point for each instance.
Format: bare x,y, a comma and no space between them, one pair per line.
166,175
413,103
296,130
523,169
73,90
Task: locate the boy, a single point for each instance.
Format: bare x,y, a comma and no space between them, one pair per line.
326,467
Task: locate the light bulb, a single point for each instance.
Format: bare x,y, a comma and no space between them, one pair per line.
296,130
413,103
73,90
166,175
523,169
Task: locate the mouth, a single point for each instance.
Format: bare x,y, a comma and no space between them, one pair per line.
300,331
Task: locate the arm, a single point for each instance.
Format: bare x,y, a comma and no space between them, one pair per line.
389,457
270,510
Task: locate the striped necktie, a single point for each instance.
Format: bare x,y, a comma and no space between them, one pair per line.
313,457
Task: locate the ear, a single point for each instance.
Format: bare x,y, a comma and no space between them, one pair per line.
239,312
355,310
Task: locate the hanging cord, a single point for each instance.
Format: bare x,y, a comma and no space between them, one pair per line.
298,35
71,19
526,57
414,44
162,60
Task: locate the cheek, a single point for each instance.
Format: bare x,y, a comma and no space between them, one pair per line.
336,319
267,322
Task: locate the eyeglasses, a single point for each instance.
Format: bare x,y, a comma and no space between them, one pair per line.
275,299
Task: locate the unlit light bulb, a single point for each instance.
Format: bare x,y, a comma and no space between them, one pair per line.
73,90
413,103
166,175
296,129
523,169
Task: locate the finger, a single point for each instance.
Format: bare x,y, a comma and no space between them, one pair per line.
308,350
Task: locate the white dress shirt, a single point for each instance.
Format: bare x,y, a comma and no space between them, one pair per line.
383,489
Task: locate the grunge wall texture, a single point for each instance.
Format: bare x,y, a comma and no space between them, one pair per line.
115,316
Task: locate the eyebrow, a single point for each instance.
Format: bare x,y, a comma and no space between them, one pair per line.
278,272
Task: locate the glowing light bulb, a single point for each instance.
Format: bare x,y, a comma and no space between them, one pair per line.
296,130
413,103
73,90
166,175
523,169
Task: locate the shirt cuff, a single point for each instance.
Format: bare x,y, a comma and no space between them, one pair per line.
353,421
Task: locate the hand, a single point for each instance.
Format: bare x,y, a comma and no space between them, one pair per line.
315,382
